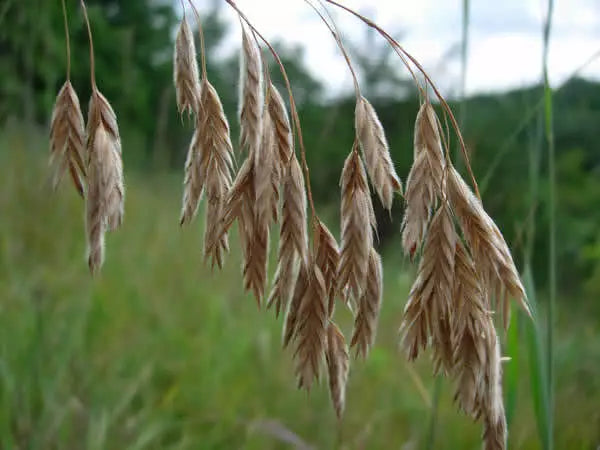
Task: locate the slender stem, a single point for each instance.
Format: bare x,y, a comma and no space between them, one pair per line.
201,34
552,206
464,49
334,31
438,94
67,39
294,111
89,30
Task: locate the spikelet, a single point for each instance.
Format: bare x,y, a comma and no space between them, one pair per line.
470,329
185,71
216,168
104,203
311,329
356,225
327,258
266,170
281,121
67,138
428,309
365,323
375,149
291,318
490,252
494,434
424,183
293,238
420,199
338,364
193,181
427,137
251,94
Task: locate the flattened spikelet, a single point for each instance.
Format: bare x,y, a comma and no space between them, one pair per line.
471,333
327,258
427,137
283,131
365,323
338,364
266,167
356,225
67,138
216,168
375,149
311,329
490,251
102,116
429,304
291,318
293,240
420,199
251,94
193,181
494,434
185,70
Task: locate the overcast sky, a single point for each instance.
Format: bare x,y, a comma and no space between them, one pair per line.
505,42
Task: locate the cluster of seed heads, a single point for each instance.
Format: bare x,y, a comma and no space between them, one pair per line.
465,269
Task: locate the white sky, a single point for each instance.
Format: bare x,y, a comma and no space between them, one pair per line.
505,43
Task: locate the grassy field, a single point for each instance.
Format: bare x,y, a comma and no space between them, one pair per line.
159,352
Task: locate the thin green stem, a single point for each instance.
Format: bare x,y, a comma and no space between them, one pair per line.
464,50
67,40
435,404
89,30
552,261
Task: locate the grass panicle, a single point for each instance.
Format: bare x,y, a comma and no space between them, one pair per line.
185,71
338,367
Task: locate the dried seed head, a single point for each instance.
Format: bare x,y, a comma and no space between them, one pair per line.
293,240
427,137
292,314
311,329
251,94
185,70
193,181
67,137
365,323
215,157
102,117
470,329
357,226
283,132
420,200
375,149
494,434
327,258
429,306
266,181
338,364
490,251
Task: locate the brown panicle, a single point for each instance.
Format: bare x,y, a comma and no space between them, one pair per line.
185,70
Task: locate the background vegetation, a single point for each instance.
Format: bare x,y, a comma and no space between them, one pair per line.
159,352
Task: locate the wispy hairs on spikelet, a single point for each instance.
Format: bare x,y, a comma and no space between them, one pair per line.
185,70
67,138
327,258
375,149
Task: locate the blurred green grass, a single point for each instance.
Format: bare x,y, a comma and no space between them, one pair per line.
161,352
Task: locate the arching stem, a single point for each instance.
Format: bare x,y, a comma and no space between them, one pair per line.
89,30
67,39
201,34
